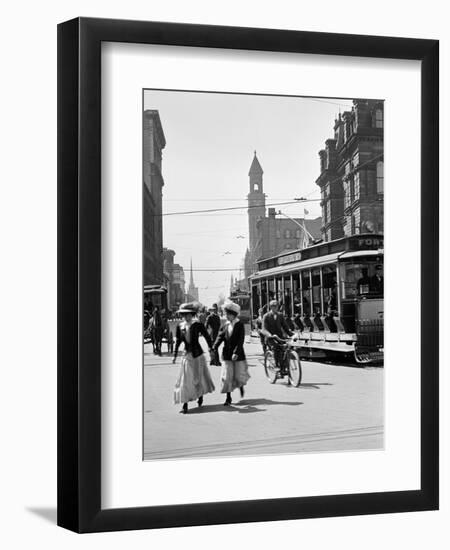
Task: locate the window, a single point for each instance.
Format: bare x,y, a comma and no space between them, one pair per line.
330,297
316,292
298,234
306,294
287,234
356,186
347,197
380,177
364,278
278,234
379,118
287,296
256,187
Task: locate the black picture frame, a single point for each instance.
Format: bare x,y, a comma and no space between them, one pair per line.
79,274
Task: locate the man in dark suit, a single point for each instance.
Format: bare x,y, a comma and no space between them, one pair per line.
274,323
377,281
274,328
213,327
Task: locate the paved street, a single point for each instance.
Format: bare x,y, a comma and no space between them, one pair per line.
336,408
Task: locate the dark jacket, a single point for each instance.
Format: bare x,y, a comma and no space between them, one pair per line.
232,344
277,326
197,329
213,322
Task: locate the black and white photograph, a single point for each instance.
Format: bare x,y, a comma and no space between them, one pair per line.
263,285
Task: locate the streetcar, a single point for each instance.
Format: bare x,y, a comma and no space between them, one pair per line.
331,294
242,298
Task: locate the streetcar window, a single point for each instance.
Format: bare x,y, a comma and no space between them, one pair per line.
296,293
271,289
279,291
306,293
362,279
329,279
317,307
264,293
256,300
287,296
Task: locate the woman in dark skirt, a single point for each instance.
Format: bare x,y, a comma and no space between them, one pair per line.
194,379
234,368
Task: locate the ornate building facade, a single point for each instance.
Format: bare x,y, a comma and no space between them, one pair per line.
153,144
351,177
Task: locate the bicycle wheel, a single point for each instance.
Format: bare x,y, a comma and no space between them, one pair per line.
295,368
270,366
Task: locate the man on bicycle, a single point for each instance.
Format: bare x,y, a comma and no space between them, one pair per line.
275,328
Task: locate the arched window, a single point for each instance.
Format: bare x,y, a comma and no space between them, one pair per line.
256,187
379,118
287,234
380,177
298,234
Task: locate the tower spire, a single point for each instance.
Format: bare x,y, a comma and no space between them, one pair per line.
192,289
191,279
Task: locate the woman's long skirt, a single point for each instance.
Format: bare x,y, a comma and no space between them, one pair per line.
194,379
234,374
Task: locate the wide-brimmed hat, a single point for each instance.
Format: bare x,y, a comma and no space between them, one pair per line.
231,306
188,307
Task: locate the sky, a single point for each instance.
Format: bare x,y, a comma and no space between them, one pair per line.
210,144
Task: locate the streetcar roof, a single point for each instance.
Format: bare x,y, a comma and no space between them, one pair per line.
313,262
155,289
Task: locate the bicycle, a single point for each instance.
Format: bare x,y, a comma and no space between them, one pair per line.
281,360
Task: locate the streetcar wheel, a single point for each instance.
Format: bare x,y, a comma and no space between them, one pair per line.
270,366
295,369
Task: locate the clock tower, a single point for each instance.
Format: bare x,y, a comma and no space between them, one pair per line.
256,211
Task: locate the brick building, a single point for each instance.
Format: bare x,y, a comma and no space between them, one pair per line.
178,286
154,143
174,277
351,177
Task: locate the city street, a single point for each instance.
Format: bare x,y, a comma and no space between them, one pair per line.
336,408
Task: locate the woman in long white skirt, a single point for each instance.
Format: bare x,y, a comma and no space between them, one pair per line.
194,379
234,368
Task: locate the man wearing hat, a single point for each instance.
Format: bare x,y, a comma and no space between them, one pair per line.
234,372
213,327
275,325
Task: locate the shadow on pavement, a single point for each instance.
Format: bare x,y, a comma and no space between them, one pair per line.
205,409
264,401
315,385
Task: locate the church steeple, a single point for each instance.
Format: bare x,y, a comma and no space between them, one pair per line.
191,278
192,292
